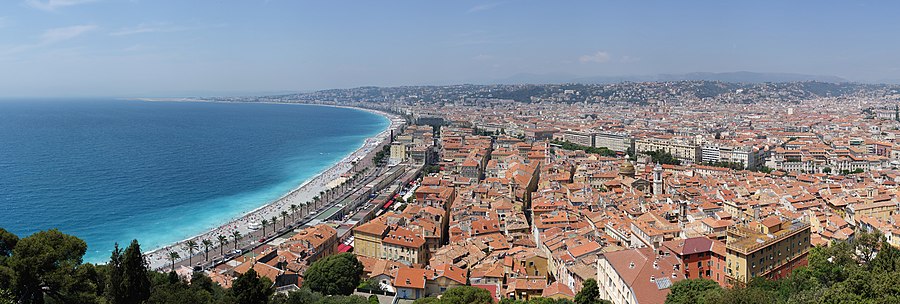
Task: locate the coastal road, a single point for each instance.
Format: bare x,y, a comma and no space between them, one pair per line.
252,239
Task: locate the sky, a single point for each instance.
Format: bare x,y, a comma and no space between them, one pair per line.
136,48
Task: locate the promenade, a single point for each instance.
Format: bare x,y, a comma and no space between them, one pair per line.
331,186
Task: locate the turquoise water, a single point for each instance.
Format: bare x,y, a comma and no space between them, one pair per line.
110,170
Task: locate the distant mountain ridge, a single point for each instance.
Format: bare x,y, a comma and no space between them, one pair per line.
735,77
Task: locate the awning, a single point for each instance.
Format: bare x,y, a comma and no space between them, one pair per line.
344,248
388,204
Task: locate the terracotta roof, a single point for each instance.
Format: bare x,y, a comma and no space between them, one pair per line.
410,278
557,288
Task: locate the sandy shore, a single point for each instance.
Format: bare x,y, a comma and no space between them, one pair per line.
305,192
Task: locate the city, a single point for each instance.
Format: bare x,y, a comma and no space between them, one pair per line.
449,152
530,199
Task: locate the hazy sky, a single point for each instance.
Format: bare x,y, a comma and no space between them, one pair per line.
186,47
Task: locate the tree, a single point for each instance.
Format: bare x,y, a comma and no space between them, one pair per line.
206,245
265,223
693,291
466,295
190,246
866,246
589,293
236,236
284,216
223,240
248,288
7,243
427,300
46,264
135,274
294,208
334,275
114,292
174,256
663,157
6,297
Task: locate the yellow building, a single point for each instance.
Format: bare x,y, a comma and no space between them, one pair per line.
404,246
398,152
771,248
882,210
367,238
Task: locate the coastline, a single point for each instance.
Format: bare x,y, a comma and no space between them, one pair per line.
158,257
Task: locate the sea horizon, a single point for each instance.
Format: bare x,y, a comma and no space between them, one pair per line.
273,161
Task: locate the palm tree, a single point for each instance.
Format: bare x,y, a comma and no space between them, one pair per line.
284,215
236,236
190,245
315,202
223,240
274,222
206,245
173,256
293,211
265,223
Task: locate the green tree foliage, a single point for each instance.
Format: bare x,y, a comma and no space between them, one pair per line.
334,275
46,264
382,155
7,243
6,297
135,274
466,295
306,296
47,267
249,288
662,157
726,164
170,289
693,291
589,293
603,151
114,293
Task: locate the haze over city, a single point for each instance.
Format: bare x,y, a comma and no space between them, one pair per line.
175,48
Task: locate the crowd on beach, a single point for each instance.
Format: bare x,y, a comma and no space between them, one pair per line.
160,258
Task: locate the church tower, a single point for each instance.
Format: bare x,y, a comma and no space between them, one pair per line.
657,179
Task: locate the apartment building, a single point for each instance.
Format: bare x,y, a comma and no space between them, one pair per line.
634,276
616,141
680,148
771,248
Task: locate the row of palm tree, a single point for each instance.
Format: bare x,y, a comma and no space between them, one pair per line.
191,246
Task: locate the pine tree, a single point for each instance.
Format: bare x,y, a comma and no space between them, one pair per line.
248,288
114,292
135,274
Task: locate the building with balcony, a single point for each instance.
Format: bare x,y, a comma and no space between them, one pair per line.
771,248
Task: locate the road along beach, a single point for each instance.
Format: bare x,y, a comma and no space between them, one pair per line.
358,160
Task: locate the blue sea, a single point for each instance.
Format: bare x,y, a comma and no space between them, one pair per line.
111,171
